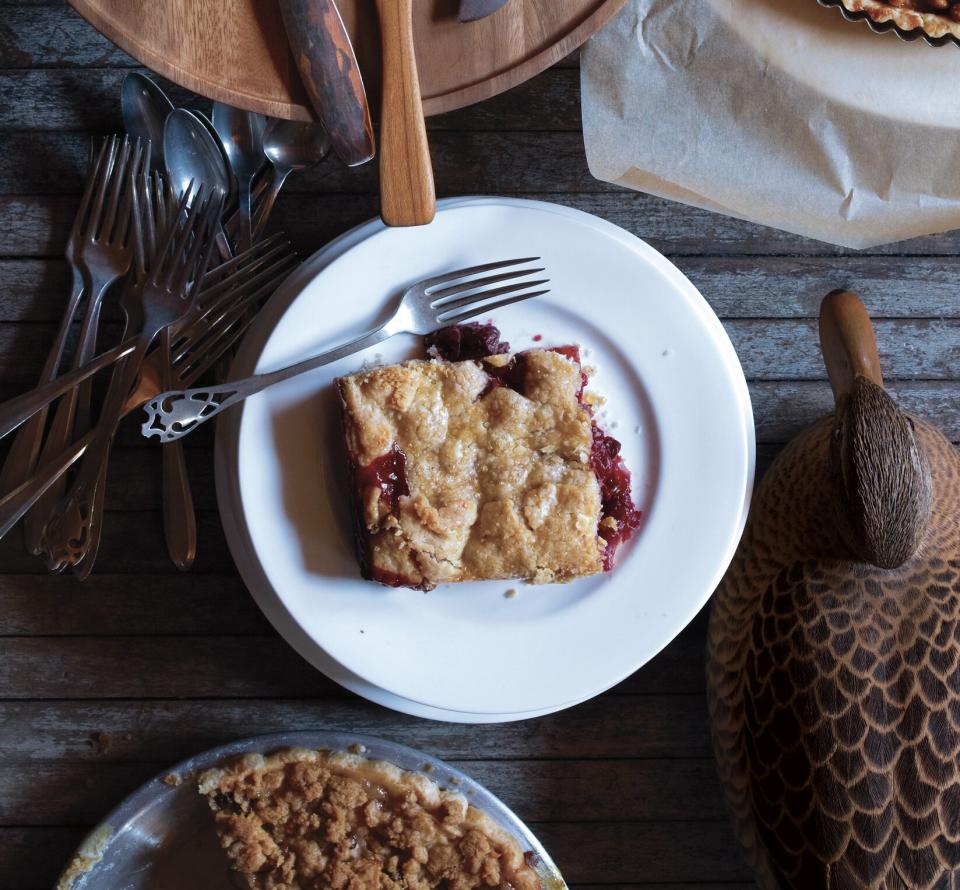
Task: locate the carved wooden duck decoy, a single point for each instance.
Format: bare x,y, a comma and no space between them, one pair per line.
833,660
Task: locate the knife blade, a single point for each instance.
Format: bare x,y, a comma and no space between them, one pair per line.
328,68
472,10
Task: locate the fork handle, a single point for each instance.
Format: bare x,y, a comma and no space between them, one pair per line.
25,450
407,194
173,415
15,411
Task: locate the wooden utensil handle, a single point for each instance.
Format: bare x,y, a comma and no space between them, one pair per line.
407,193
847,342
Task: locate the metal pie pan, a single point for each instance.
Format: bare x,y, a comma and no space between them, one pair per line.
162,837
888,27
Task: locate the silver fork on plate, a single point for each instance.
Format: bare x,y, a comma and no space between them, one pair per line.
103,253
228,303
162,293
425,307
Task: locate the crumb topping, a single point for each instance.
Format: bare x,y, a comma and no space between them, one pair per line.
938,18
309,820
497,480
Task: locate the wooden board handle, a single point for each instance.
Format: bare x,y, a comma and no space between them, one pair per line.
847,342
407,193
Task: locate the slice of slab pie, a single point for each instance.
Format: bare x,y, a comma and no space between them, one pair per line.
313,820
938,18
477,464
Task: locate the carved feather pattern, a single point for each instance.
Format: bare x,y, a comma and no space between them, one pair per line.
834,688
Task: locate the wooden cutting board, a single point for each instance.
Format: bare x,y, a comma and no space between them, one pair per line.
235,51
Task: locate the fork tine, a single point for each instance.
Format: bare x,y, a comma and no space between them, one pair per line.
469,300
438,296
249,276
118,178
222,313
474,311
192,243
431,283
252,255
140,248
103,184
139,165
170,252
200,355
206,236
93,176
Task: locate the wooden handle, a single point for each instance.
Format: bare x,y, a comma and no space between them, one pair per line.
328,68
407,194
847,342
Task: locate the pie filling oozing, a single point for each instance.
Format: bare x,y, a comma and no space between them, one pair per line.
480,464
315,820
938,18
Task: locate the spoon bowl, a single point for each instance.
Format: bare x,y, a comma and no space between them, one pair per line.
191,154
145,108
295,145
290,146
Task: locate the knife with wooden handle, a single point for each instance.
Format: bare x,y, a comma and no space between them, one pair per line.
474,10
407,196
328,68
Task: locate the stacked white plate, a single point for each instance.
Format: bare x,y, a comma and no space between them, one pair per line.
675,397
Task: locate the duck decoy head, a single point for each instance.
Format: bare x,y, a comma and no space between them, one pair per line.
880,471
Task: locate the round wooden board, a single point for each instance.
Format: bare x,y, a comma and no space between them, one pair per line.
235,51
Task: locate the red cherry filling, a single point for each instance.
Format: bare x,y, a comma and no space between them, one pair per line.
389,472
464,342
614,479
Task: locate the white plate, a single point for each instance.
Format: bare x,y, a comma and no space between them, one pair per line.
674,389
235,529
847,62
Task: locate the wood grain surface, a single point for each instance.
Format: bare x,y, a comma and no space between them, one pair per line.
236,50
105,684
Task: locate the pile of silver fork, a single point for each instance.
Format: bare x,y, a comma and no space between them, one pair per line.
135,236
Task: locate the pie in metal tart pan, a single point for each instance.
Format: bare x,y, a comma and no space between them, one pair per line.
937,22
164,834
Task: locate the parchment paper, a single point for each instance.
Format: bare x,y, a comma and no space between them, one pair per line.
676,104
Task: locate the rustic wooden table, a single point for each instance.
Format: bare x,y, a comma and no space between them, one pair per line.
103,685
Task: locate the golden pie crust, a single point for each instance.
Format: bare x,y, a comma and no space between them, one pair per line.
500,483
313,820
933,18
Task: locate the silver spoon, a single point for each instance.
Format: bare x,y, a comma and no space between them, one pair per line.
145,108
241,133
192,155
290,146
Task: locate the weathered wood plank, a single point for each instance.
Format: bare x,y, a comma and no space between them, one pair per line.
132,544
34,290
53,162
37,225
769,349
782,409
88,99
620,852
166,732
199,605
78,793
40,35
222,667
697,853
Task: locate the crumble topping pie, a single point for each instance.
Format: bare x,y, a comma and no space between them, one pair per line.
313,820
490,466
938,18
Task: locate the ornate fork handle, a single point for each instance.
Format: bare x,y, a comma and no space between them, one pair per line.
173,415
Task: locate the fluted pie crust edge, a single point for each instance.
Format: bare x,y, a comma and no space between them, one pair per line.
931,23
